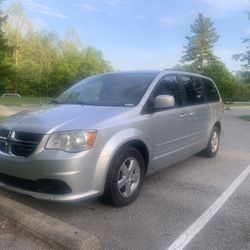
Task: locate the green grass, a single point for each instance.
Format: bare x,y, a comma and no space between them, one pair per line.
15,101
237,104
245,117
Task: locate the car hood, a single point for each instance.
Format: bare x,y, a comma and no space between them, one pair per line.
52,118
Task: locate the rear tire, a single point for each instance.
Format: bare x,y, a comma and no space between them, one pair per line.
125,177
213,144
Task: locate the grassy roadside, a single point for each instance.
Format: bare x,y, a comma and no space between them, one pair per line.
14,101
237,104
245,118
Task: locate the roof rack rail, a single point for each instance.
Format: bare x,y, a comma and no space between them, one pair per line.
172,69
168,69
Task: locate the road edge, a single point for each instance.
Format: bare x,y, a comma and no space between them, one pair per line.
6,111
58,234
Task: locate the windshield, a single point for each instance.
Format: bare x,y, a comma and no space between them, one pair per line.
118,89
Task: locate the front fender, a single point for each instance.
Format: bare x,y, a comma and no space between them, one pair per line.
111,148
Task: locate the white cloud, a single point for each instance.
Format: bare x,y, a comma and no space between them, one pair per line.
229,5
140,17
173,20
168,22
87,7
108,7
43,9
115,3
39,24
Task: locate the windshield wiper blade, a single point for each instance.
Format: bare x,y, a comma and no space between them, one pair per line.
55,102
67,102
77,103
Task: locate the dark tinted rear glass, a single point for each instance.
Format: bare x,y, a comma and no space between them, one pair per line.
211,91
194,90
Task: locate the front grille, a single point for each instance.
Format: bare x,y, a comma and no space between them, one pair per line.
16,143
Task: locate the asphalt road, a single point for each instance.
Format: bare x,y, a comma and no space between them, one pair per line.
172,200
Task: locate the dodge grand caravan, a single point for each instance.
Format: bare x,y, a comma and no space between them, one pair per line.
104,134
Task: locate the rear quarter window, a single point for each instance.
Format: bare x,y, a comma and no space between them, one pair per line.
212,94
193,89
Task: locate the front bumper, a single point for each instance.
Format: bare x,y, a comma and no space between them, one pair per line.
76,171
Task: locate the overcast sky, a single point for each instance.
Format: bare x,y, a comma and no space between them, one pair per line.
143,34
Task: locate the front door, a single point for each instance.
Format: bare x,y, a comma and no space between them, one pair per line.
170,125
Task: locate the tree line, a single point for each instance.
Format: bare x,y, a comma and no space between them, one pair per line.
37,62
34,62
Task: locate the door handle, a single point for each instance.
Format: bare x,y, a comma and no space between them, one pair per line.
183,115
192,113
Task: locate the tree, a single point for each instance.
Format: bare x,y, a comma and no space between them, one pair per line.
5,60
44,63
199,49
244,58
224,80
16,28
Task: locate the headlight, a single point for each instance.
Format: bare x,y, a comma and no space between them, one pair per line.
72,141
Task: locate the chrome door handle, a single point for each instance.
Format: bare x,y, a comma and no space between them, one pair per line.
192,113
183,115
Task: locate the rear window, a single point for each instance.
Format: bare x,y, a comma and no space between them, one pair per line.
212,94
193,89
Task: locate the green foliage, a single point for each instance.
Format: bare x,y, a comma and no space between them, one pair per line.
242,93
5,50
243,76
244,57
30,100
224,80
184,67
199,49
44,63
199,54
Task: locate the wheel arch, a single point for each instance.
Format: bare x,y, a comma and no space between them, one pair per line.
122,139
135,143
218,125
140,146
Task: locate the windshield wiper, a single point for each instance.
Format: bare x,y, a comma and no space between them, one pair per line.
55,102
77,103
66,102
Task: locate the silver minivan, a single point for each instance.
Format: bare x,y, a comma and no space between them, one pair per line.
104,134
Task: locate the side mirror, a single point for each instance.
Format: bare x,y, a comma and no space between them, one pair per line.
164,101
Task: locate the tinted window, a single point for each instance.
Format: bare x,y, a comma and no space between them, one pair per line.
194,89
211,91
169,86
118,89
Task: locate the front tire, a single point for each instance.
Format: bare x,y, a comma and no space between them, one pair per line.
213,144
124,180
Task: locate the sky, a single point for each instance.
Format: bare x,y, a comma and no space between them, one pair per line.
143,34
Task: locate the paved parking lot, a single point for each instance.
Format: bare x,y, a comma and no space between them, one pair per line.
172,200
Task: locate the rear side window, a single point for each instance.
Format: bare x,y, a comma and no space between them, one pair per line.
194,90
168,85
211,91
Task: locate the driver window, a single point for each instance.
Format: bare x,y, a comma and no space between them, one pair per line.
169,86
